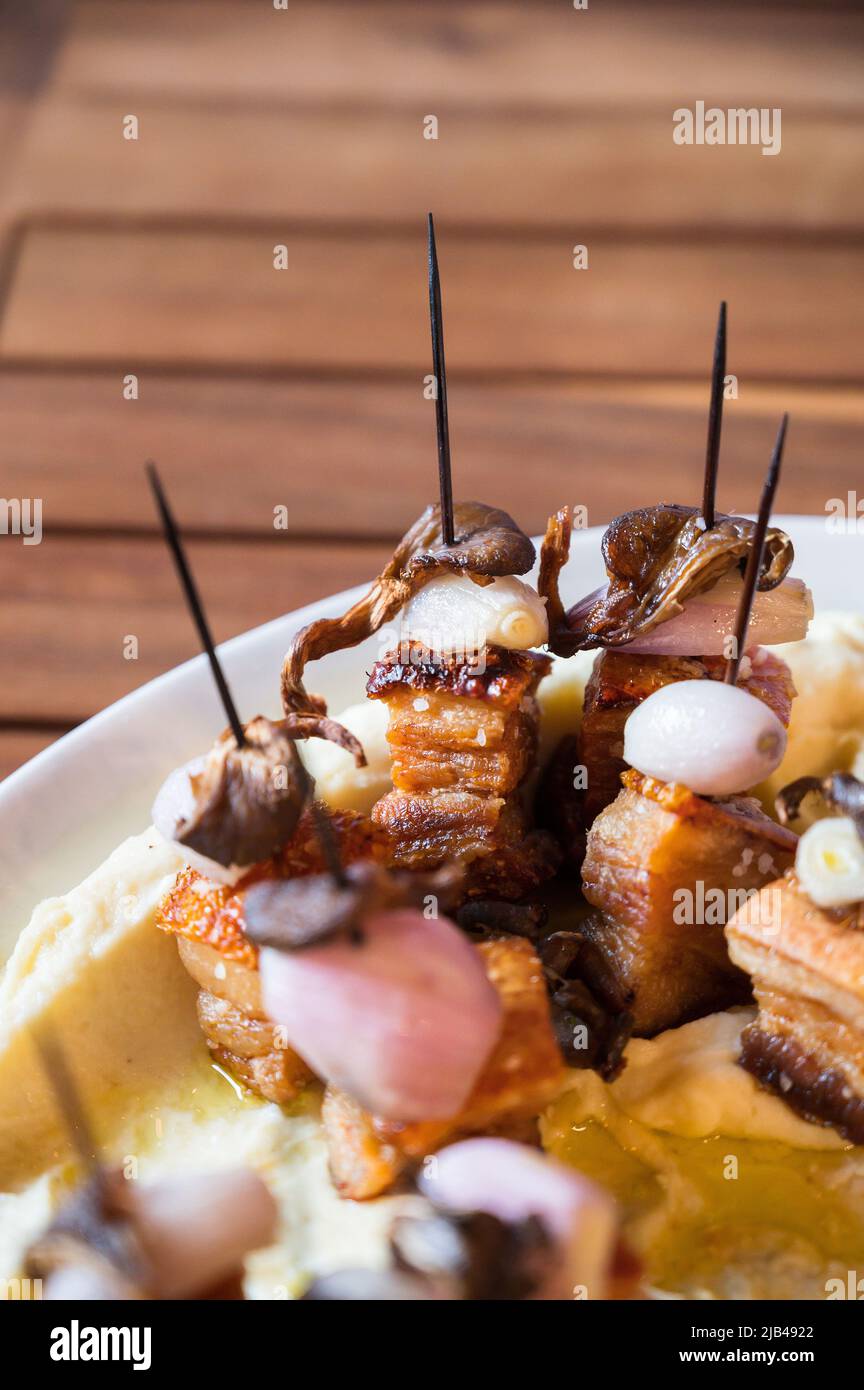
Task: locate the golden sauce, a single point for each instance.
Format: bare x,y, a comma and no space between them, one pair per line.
724,1217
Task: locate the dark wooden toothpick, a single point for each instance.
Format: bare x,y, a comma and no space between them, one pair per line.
715,418
193,598
754,559
442,422
327,841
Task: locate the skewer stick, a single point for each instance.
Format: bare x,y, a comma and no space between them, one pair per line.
715,419
754,559
193,598
327,841
442,424
66,1093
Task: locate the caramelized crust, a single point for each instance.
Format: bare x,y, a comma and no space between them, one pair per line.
619,682
212,913
656,859
463,741
807,965
523,1074
207,919
498,674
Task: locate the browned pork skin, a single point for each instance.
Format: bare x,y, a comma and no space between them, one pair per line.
807,966
524,1073
656,843
208,921
463,738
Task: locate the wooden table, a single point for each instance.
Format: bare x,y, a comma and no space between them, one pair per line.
302,388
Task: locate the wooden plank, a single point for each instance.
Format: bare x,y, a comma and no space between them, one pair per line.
69,605
133,298
476,55
349,457
574,171
18,746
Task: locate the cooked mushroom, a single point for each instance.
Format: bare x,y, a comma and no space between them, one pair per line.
656,558
488,544
236,806
290,914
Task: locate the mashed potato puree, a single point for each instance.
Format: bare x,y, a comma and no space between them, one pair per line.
663,1136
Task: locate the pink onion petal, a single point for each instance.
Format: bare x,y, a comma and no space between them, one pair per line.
780,615
513,1182
196,1229
403,1022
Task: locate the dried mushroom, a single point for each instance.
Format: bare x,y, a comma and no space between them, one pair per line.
488,544
290,914
237,806
656,558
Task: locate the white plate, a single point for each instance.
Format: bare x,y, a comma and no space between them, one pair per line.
63,812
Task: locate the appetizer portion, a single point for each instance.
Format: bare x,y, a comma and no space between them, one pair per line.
460,690
802,942
680,846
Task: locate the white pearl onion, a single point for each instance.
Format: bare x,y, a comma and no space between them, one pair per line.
453,613
714,738
830,862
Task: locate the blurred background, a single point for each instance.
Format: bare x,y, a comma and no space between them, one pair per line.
141,313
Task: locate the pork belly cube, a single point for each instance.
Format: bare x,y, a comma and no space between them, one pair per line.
524,1073
619,682
487,835
666,869
459,742
463,739
807,967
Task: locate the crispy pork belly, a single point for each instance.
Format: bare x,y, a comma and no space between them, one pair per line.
666,869
807,966
619,682
524,1073
463,738
207,919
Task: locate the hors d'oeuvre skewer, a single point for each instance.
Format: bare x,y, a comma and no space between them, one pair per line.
238,816
666,861
428,1008
802,943
667,614
179,1238
496,1221
459,681
437,1036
